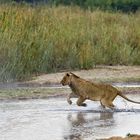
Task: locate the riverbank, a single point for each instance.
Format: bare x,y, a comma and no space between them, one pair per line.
98,74
48,85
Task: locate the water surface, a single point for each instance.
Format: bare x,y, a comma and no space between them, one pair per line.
55,119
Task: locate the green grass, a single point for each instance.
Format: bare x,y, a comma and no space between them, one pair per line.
31,93
43,39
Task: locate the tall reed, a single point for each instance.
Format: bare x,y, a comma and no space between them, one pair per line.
44,39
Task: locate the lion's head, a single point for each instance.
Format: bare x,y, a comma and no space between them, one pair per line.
66,79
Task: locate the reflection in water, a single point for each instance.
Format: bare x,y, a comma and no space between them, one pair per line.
83,124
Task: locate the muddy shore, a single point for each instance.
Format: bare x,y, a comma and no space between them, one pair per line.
48,85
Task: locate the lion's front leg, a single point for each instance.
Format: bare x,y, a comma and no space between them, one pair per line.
80,101
69,97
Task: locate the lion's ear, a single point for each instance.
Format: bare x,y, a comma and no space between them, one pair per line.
74,75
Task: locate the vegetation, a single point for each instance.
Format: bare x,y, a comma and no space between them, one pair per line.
44,39
31,93
115,5
122,5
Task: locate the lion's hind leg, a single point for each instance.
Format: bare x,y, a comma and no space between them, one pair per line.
106,103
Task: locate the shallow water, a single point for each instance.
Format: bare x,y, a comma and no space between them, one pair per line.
55,119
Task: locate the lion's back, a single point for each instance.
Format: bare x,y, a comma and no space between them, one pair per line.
89,89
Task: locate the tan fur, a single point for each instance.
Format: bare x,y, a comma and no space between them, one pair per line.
88,90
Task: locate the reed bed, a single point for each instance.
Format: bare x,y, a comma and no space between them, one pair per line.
43,39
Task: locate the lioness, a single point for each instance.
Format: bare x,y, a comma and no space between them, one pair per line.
92,91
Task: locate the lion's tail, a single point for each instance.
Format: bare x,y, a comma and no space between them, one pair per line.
123,96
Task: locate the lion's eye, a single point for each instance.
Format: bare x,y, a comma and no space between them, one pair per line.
68,74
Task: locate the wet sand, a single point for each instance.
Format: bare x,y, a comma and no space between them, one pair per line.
99,73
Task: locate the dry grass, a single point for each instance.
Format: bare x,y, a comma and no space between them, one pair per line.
48,39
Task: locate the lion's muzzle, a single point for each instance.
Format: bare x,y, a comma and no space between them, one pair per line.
62,83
